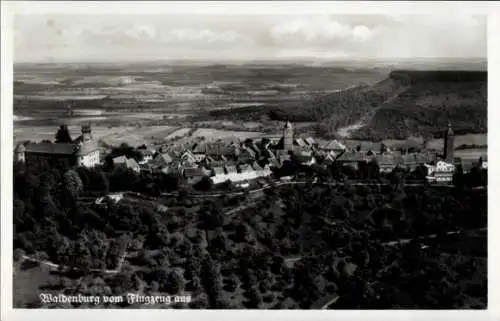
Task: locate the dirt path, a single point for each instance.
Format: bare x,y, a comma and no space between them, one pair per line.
345,132
64,267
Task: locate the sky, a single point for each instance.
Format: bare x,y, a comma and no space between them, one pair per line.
115,38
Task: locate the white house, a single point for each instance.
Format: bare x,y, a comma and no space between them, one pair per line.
147,155
219,175
115,197
442,166
89,159
246,173
442,172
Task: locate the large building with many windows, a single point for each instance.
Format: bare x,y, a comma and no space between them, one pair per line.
83,151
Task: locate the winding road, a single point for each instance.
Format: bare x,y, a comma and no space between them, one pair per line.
66,268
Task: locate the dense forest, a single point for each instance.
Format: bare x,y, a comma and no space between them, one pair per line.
425,109
409,103
337,236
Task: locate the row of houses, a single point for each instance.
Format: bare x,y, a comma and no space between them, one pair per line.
437,169
240,174
193,167
235,160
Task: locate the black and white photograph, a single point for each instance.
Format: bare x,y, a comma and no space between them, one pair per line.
315,161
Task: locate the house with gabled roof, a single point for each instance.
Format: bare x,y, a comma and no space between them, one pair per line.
387,162
188,158
327,157
219,170
231,169
243,168
195,174
247,155
199,152
133,165
147,155
333,145
299,142
120,160
174,168
130,163
256,166
413,160
255,148
216,160
304,157
352,159
162,159
218,175
310,141
145,168
231,151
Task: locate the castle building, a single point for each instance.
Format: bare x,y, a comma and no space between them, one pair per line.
83,151
449,145
288,137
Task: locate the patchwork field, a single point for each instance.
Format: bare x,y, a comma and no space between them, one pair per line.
474,153
112,136
210,133
469,139
178,133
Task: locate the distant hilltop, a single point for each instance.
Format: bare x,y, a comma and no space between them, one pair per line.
406,103
414,76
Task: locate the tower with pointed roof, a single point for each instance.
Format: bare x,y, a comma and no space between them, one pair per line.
449,145
288,137
86,133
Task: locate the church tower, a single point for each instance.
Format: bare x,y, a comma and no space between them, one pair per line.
288,137
449,145
86,133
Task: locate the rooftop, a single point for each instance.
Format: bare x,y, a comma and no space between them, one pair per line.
353,157
131,163
87,147
333,145
120,160
52,148
218,170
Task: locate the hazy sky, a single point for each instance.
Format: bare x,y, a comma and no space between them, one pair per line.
79,38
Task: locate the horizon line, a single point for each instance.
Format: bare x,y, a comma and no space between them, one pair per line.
270,60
